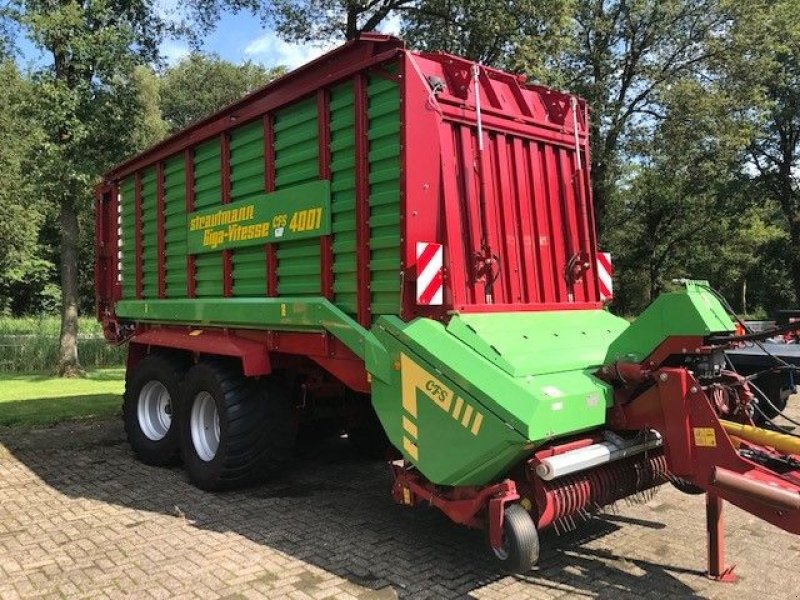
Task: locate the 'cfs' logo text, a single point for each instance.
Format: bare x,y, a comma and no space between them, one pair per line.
439,394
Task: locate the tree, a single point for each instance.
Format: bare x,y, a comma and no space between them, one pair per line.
487,31
84,99
22,213
622,56
201,84
772,38
687,209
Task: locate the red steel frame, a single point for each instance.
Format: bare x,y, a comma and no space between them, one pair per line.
271,256
325,242
138,234
188,161
160,236
362,199
225,169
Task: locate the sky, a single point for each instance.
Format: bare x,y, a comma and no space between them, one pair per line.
237,38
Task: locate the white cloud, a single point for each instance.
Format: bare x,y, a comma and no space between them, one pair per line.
391,25
173,51
270,49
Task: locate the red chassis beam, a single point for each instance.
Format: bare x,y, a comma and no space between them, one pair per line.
257,349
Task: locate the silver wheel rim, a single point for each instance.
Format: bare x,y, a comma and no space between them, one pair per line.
154,410
204,422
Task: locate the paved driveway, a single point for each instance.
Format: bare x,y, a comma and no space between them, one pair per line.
80,518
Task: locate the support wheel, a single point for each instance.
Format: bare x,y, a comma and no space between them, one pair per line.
685,487
149,408
234,430
520,549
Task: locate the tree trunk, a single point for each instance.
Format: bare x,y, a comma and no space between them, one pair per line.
68,365
744,297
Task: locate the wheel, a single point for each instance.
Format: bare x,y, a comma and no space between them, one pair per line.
687,488
773,387
520,548
149,409
234,429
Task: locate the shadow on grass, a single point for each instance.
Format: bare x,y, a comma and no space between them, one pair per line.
333,509
45,412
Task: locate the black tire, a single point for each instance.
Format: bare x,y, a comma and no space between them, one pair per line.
257,427
144,414
772,386
520,550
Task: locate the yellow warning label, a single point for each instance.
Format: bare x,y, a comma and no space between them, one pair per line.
704,437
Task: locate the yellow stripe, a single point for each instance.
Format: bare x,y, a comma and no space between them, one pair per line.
411,448
457,409
410,427
476,424
467,416
409,385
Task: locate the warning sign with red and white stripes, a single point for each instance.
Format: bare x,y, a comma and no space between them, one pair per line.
605,275
430,279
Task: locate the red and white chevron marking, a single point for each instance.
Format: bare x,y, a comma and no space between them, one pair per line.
430,278
605,275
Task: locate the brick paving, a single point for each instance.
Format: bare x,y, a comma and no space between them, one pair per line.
80,518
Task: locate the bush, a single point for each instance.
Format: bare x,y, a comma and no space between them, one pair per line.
31,344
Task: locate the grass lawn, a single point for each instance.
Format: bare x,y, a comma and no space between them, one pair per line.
40,400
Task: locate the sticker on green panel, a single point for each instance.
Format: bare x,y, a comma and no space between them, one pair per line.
294,213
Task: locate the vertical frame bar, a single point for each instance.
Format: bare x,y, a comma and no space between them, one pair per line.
160,235
188,162
324,141
364,295
116,210
271,256
139,241
225,167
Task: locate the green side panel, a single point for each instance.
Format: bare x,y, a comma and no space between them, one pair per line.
149,234
297,161
693,311
175,226
384,194
247,180
128,239
207,193
343,197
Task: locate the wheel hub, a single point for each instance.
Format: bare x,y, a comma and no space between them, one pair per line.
154,410
204,424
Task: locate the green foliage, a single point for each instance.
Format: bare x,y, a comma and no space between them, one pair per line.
201,84
30,344
501,34
21,209
40,400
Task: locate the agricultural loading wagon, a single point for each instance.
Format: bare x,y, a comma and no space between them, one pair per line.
402,245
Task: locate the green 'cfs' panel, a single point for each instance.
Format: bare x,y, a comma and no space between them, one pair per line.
247,179
175,226
384,194
128,239
343,197
207,193
149,234
297,161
